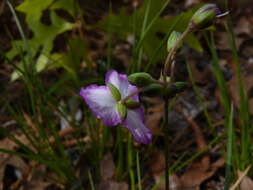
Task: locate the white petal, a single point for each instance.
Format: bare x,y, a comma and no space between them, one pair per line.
134,123
102,104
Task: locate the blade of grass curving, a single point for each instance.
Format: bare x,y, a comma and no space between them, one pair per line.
230,144
17,115
94,134
145,29
14,65
218,75
151,24
144,24
138,170
92,186
28,73
20,29
178,162
246,126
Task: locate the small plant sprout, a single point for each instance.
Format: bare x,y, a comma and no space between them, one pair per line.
117,103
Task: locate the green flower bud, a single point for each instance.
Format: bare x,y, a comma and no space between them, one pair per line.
180,85
122,110
174,89
174,36
132,104
154,90
114,91
140,79
205,16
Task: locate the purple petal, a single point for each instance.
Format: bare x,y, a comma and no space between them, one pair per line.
121,82
101,103
134,123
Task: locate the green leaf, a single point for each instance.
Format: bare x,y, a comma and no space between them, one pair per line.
70,61
43,35
67,5
174,36
122,110
63,61
191,39
33,8
41,62
193,43
114,91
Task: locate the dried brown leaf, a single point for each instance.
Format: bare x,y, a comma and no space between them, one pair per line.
197,173
244,26
107,168
241,176
246,184
154,116
107,171
157,163
111,185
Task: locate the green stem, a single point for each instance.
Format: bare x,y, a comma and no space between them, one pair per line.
172,52
168,63
166,139
120,148
130,151
138,171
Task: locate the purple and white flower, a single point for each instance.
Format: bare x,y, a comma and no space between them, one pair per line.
102,103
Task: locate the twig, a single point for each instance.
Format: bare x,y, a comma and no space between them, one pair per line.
73,142
63,133
239,180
